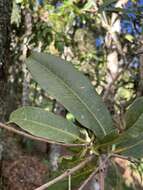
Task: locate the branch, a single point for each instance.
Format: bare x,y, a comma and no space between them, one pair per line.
24,134
130,159
115,80
66,173
94,172
88,179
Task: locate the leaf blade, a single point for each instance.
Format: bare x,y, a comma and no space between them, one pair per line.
44,124
134,112
72,89
131,141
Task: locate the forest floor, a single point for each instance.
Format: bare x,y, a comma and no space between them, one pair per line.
23,165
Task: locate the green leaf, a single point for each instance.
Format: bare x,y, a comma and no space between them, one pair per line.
131,147
129,37
134,112
19,1
107,140
130,143
71,88
76,180
44,124
113,179
107,3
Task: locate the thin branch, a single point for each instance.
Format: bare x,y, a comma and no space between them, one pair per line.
101,174
88,179
130,159
115,80
24,134
69,182
94,173
66,173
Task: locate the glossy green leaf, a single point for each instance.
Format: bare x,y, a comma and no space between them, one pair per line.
130,143
44,124
71,88
134,112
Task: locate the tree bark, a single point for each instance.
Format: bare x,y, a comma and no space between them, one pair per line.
140,82
114,50
5,13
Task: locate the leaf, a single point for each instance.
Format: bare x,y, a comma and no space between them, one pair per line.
107,3
76,180
129,37
71,88
113,178
130,143
107,140
44,124
131,147
134,112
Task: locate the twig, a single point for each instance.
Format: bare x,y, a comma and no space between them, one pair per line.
88,179
94,173
133,160
69,182
101,175
66,173
24,134
115,80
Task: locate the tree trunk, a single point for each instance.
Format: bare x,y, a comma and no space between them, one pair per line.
140,82
5,12
114,50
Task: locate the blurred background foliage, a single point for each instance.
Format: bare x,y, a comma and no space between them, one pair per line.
75,31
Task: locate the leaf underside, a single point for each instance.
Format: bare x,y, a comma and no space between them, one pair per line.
72,89
44,124
134,112
130,143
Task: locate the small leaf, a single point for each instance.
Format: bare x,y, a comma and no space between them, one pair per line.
129,37
108,140
72,89
134,112
130,143
44,124
131,147
113,178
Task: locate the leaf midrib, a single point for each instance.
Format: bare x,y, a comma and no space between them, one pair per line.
52,127
128,148
94,116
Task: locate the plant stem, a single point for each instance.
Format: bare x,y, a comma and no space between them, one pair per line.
94,172
66,173
88,179
27,135
130,159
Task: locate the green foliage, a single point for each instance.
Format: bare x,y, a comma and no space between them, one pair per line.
113,179
44,124
71,88
134,112
72,30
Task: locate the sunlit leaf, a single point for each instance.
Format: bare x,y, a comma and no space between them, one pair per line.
129,37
